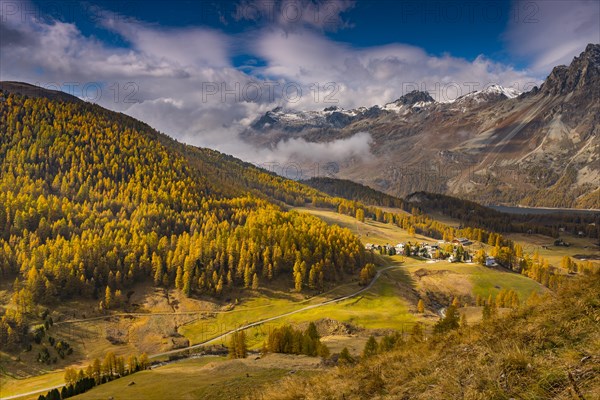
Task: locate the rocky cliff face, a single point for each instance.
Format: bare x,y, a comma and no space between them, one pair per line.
414,97
580,76
494,146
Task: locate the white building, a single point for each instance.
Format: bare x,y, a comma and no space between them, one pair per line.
490,262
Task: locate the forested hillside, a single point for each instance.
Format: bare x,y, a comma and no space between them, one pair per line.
476,215
354,191
93,201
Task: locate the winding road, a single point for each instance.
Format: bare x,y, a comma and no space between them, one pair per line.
241,328
262,321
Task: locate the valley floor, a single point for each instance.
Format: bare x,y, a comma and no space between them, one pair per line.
165,322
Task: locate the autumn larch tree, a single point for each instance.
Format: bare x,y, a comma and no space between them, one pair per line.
345,358
420,306
370,348
450,321
360,215
238,348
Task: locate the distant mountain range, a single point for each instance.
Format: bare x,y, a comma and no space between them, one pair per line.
495,146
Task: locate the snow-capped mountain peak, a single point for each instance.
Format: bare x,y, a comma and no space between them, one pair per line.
511,93
493,92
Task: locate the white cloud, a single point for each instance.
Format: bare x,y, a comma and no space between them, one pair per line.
187,47
550,33
378,74
298,149
165,71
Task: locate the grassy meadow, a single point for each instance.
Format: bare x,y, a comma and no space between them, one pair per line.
214,378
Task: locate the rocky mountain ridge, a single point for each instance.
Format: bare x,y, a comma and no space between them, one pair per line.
494,146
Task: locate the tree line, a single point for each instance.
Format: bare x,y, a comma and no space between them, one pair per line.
97,373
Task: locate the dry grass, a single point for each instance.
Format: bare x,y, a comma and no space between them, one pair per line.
354,343
545,351
11,386
369,231
554,254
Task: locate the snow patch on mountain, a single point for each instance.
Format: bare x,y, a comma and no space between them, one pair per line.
511,93
493,92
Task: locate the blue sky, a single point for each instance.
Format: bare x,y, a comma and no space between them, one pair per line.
202,71
463,29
